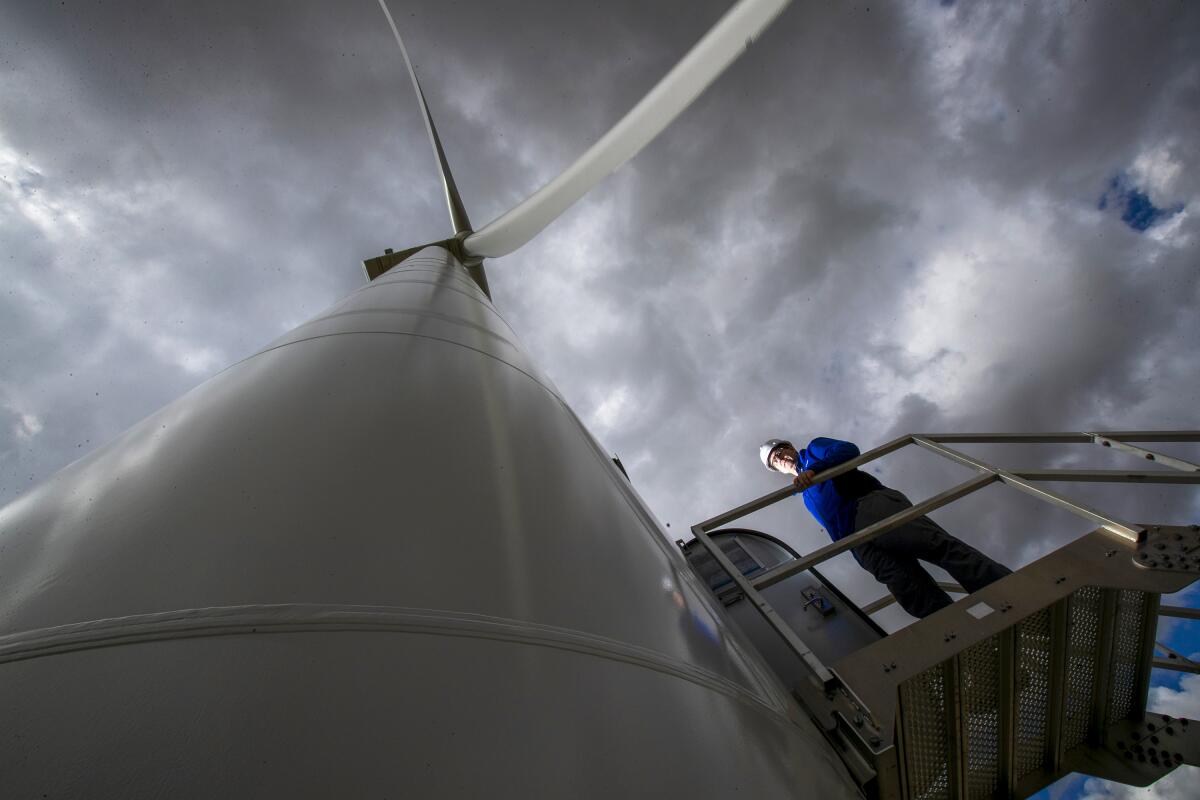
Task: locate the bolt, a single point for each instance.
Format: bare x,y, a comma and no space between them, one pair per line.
1142,556
1160,546
1149,456
1151,726
874,740
1170,731
1121,745
1153,740
858,720
1109,553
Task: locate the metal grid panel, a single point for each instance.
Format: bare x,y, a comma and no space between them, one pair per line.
926,742
1127,650
979,687
1033,692
1083,641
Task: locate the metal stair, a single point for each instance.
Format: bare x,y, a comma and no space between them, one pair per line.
1043,673
1032,678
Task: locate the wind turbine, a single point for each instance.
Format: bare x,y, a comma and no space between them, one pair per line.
382,557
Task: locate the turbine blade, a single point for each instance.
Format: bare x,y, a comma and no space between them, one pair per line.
732,35
458,214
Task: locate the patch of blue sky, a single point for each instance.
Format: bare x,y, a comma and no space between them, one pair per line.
1069,788
1137,210
1181,635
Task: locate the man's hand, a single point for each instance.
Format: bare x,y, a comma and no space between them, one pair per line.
803,480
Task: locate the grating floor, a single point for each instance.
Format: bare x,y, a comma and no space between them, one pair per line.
1010,706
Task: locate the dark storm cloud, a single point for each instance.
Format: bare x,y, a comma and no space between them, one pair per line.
877,221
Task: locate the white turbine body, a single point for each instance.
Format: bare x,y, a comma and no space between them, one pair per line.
382,558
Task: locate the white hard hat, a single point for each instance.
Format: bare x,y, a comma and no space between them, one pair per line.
769,445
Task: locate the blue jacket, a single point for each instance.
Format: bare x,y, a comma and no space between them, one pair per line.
835,502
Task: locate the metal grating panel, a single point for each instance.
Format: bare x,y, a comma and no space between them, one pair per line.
1083,640
1127,651
979,688
926,745
1032,692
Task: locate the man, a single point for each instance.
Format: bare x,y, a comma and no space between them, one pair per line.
854,500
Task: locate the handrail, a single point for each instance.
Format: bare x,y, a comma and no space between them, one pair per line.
822,554
1125,529
988,474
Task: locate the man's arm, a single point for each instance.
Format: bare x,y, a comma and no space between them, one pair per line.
821,454
824,453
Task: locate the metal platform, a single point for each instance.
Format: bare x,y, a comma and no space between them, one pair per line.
1043,673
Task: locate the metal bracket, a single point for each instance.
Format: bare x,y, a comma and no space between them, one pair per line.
1170,548
1139,752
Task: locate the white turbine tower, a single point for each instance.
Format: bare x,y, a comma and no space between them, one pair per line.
383,558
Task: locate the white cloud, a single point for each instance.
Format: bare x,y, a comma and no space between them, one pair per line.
27,427
1156,171
1181,702
1178,785
608,414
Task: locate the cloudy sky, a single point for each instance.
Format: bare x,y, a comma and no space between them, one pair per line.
883,219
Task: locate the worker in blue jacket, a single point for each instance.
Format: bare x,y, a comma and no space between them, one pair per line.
853,500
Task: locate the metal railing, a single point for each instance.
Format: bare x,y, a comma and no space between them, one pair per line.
1024,480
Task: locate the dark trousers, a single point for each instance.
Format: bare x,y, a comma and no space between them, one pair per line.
892,558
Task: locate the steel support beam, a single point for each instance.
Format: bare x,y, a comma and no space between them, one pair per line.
1061,438
1177,666
1149,455
1106,476
1175,660
1179,611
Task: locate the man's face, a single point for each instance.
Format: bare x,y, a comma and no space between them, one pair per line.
783,458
